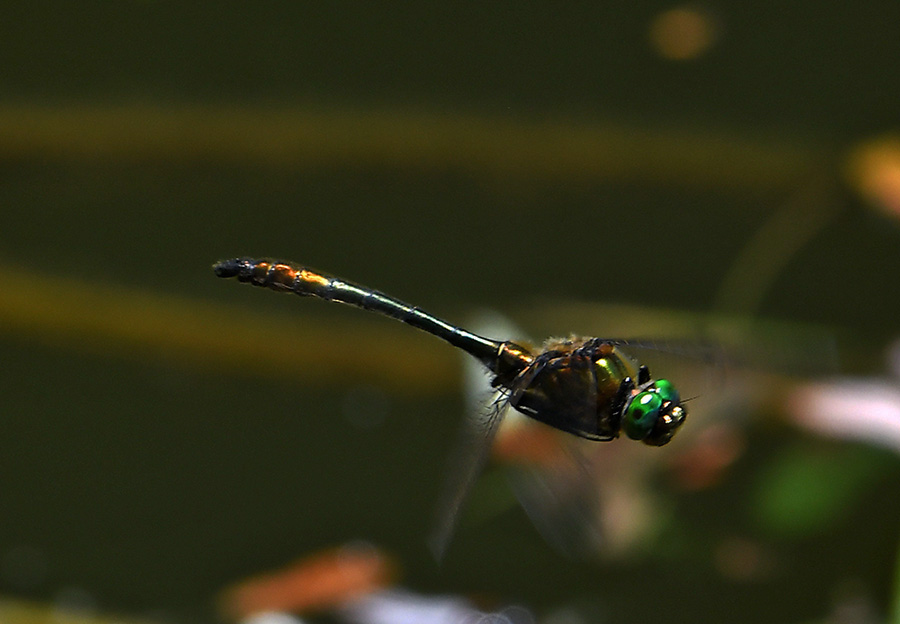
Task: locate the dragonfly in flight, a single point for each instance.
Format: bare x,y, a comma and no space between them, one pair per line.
586,387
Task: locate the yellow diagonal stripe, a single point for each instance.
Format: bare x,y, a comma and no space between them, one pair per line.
118,321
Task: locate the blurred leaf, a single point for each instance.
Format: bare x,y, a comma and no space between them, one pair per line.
807,490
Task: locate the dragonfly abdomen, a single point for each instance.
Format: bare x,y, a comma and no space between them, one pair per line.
287,277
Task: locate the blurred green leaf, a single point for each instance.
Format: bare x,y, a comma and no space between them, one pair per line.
807,490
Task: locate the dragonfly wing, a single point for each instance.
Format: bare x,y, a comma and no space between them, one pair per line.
586,499
708,354
800,352
466,463
561,499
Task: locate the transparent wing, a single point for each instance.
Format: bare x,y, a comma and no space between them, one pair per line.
486,410
804,351
586,499
560,497
712,356
466,463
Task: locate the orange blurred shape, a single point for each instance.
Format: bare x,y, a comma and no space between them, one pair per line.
315,583
524,443
706,461
683,33
741,559
874,169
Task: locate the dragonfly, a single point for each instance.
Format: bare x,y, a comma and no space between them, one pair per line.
583,386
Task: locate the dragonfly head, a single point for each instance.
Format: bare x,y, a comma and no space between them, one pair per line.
654,414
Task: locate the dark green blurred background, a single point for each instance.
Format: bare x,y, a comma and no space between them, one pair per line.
459,156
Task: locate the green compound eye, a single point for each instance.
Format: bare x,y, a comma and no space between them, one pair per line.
642,415
667,391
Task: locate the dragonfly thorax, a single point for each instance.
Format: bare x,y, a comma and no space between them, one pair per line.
589,388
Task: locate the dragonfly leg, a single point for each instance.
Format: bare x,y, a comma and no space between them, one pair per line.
622,395
643,375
